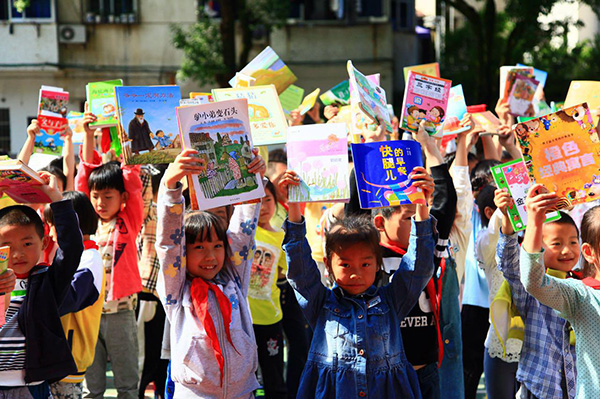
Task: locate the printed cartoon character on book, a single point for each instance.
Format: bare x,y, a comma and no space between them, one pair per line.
139,133
264,269
433,117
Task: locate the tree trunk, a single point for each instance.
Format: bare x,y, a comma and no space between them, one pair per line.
228,39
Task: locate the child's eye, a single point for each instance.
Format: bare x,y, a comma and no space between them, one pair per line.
218,245
366,264
345,265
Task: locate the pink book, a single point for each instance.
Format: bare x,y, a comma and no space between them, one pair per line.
425,98
52,109
520,99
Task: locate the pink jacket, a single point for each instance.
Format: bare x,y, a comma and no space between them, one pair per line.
125,274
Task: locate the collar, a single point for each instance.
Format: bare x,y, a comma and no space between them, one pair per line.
370,292
392,247
90,244
556,273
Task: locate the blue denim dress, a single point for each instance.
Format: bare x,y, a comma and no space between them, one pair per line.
357,348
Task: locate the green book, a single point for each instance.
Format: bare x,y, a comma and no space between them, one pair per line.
338,94
102,102
291,98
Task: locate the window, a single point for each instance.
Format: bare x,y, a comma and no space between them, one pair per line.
403,15
348,11
111,11
36,11
4,130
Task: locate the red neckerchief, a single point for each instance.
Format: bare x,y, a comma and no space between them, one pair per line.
589,281
199,292
395,248
89,244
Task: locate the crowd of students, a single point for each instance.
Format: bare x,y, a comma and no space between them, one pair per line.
384,303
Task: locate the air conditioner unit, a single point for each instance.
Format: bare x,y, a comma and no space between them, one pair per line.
71,34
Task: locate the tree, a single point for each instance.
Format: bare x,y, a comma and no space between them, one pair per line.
209,46
473,53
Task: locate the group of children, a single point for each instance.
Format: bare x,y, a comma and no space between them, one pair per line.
385,303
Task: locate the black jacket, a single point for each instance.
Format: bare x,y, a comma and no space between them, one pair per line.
47,353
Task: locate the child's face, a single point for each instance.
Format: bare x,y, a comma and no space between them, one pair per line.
354,268
205,259
267,208
107,202
561,246
26,247
415,113
396,229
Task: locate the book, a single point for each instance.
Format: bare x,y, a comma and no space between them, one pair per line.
337,95
541,77
455,111
370,97
505,79
191,101
21,183
75,120
581,91
432,69
382,170
49,143
203,97
319,155
513,176
487,121
52,109
4,257
561,151
267,120
220,132
147,126
101,102
520,99
309,101
425,98
267,68
291,98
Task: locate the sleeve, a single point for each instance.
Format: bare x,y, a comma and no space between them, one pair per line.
415,270
564,295
282,263
70,247
134,206
462,228
443,207
487,242
146,179
86,285
241,232
508,264
170,245
83,172
303,274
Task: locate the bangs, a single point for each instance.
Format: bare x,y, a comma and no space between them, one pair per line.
199,224
108,176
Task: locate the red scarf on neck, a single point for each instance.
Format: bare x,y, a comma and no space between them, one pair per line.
199,292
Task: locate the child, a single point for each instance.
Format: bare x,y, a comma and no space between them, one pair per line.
34,347
264,297
115,193
547,364
86,293
357,345
203,287
577,301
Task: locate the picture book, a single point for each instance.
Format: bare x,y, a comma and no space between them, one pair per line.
75,120
319,155
148,124
508,75
520,99
21,183
101,102
291,98
52,110
243,80
191,101
309,101
220,132
382,170
456,110
584,91
425,98
4,256
204,97
541,77
370,97
513,176
562,151
432,69
267,120
487,121
267,68
338,94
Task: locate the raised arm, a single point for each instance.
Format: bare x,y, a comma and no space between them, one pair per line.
27,149
69,159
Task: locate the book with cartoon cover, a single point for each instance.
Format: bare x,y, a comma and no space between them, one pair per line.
581,91
369,96
431,69
267,68
520,99
455,111
21,183
101,102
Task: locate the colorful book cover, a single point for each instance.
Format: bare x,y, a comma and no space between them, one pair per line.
48,143
581,91
369,96
52,110
541,77
220,132
319,155
101,100
267,120
504,77
513,176
268,69
520,99
425,98
76,124
562,152
309,101
432,69
205,98
4,256
291,98
148,123
382,170
21,183
338,94
456,110
487,121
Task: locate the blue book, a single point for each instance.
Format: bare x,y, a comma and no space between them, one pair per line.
382,170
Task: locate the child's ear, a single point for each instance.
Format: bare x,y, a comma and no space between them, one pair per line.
588,253
488,211
124,197
379,222
45,242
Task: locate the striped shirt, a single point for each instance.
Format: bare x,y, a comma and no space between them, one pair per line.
12,340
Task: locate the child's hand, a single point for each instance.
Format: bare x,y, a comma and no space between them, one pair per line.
296,118
257,165
505,136
33,129
7,283
291,178
422,180
88,118
186,163
502,110
51,187
539,201
67,133
503,200
422,136
330,111
373,132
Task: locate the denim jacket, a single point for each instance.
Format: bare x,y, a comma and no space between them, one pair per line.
357,348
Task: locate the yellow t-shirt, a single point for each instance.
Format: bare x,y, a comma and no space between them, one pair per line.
263,293
314,230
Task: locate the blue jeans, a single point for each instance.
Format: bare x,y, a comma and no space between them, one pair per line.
169,385
500,377
451,370
429,381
